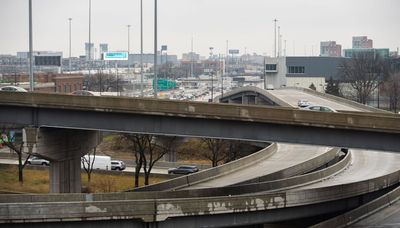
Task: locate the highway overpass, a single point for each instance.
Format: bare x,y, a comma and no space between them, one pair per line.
66,119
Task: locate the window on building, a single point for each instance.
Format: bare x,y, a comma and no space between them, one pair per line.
270,67
296,70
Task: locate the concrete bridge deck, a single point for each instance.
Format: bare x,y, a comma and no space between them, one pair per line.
286,156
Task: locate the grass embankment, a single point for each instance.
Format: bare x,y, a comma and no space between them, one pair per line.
37,181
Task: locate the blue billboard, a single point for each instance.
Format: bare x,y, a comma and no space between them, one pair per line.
115,56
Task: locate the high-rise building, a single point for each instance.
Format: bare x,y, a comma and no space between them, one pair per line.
362,42
103,48
89,56
330,49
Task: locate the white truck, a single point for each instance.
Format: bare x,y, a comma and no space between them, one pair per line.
99,162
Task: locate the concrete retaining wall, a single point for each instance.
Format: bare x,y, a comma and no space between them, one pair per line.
200,176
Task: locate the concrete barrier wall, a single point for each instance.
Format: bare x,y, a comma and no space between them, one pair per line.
161,209
361,212
186,109
188,180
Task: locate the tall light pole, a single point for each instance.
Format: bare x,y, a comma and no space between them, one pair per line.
155,50
279,41
191,58
90,42
141,48
129,48
31,86
69,62
275,20
211,74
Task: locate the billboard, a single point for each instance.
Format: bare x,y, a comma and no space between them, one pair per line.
164,47
233,51
115,56
47,60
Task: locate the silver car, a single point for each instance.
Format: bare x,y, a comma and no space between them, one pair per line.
320,108
38,161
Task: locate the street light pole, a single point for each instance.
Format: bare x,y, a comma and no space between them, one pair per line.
30,49
129,48
141,48
155,50
90,42
211,74
69,19
275,20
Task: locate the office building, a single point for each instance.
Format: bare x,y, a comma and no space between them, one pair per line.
89,48
362,42
297,71
330,49
102,49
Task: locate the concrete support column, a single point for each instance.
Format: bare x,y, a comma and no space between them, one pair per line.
65,176
245,99
171,156
257,100
64,149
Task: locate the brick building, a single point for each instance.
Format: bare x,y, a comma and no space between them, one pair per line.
47,82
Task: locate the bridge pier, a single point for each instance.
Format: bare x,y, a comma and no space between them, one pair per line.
64,149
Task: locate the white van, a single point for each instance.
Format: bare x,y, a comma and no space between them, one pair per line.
100,162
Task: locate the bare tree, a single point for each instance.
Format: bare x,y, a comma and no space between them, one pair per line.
147,152
10,141
215,150
138,148
363,71
392,90
88,163
103,82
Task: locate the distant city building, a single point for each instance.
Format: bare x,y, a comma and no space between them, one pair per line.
330,49
149,59
380,52
362,42
89,48
300,71
47,82
102,48
25,54
191,56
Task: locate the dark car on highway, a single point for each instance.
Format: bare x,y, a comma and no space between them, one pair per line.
183,169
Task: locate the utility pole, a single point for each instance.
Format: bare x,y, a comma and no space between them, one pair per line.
141,48
31,86
155,50
69,19
275,20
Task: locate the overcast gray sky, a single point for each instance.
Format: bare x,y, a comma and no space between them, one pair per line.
245,23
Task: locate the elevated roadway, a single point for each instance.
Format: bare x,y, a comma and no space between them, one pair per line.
365,165
292,96
280,160
161,117
346,129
